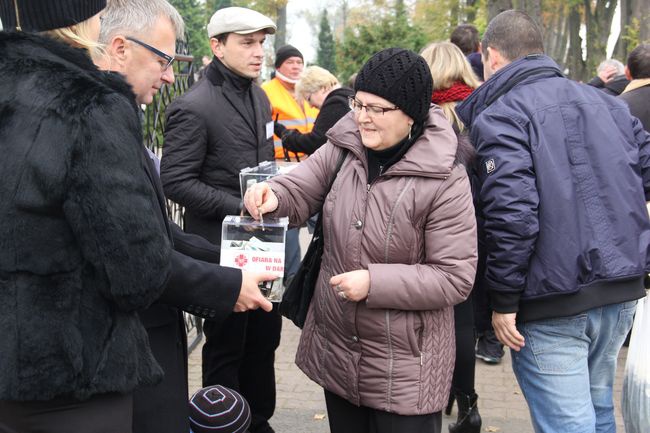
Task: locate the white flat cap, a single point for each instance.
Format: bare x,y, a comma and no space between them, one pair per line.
239,20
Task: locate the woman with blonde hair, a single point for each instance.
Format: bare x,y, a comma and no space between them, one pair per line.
453,81
322,90
453,78
79,250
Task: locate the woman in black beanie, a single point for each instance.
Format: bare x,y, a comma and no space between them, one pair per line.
399,251
79,251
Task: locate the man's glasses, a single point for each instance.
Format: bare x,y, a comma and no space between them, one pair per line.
371,110
169,59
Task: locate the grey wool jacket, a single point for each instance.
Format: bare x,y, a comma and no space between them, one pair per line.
414,230
79,250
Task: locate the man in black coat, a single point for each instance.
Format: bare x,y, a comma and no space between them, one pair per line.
138,34
637,93
218,127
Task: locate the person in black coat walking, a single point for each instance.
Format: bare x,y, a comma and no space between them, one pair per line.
197,285
322,90
79,252
637,93
610,77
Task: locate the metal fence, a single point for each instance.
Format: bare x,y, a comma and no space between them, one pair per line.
154,126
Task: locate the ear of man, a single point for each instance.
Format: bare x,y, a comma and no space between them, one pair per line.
118,52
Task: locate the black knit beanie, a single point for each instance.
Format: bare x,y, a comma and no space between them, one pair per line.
42,15
284,53
401,77
219,409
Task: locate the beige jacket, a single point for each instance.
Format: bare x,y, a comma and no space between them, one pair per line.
414,230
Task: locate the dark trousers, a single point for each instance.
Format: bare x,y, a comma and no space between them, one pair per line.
465,364
239,353
163,407
105,413
344,417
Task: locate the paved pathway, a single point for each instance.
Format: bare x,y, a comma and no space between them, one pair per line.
301,405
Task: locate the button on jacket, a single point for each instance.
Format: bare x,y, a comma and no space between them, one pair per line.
414,230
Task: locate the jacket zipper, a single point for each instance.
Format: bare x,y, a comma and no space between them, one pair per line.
390,341
391,219
389,388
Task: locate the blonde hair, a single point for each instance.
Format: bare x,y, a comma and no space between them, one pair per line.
313,79
77,35
448,65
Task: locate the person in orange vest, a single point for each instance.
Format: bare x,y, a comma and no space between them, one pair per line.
287,110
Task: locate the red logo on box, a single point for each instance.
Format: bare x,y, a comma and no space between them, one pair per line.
241,260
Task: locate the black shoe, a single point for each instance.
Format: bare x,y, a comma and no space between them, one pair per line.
489,349
469,420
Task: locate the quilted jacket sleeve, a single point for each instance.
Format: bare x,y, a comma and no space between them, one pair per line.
302,191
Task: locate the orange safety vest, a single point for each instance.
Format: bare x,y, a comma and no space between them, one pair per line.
288,112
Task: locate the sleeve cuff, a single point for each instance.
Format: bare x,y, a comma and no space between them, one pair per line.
504,302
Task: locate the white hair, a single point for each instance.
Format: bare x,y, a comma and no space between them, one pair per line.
620,69
137,17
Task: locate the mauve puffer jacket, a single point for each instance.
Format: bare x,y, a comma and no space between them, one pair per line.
414,230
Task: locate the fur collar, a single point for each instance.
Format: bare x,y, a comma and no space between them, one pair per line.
25,52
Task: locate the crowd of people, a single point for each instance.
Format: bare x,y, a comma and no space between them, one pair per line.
472,198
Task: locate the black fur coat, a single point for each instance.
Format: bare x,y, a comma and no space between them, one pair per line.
79,250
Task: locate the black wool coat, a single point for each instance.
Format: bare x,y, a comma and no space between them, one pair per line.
79,251
197,285
210,136
335,106
637,100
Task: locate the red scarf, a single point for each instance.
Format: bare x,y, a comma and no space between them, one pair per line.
457,92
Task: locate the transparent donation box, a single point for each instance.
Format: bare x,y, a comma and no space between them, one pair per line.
257,247
249,176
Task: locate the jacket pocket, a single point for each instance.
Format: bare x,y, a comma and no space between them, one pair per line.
414,333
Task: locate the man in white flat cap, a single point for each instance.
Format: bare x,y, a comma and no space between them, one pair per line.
221,125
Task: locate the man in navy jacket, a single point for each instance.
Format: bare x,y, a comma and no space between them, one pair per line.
564,175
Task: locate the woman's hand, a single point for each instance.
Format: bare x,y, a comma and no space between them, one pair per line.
260,199
352,286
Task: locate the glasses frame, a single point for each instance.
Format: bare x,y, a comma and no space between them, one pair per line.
169,59
371,110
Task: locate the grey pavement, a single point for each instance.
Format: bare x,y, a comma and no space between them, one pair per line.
301,405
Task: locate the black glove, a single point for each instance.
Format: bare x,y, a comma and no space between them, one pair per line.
278,129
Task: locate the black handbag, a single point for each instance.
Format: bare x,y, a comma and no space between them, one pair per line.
297,296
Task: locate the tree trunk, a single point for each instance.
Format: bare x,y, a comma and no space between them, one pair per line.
598,21
281,32
621,48
470,11
532,8
641,11
575,62
563,52
495,7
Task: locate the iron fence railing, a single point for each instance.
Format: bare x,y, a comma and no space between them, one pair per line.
154,126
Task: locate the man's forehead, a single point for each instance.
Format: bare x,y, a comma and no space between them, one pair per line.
256,37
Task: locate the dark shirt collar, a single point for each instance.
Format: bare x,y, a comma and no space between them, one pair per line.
238,82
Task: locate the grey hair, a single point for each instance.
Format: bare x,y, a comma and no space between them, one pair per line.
137,17
620,69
